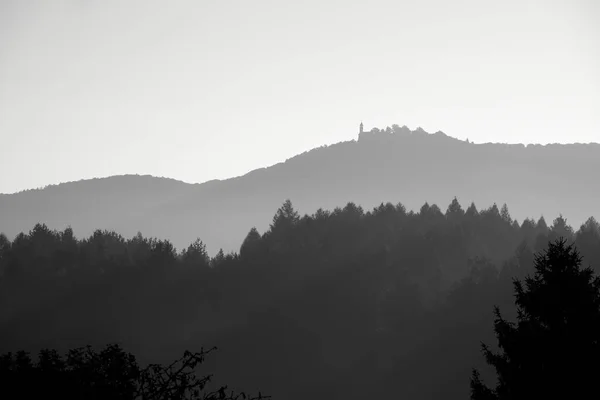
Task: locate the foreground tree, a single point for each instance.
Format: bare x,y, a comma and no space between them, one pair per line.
109,374
553,349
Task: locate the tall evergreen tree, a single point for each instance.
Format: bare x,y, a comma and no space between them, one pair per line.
553,349
250,246
285,217
454,210
196,255
505,214
560,228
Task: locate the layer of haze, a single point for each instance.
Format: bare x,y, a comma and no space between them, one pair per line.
198,90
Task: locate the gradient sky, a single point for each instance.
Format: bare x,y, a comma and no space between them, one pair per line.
198,90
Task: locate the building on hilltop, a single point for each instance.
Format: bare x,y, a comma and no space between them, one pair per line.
389,133
361,132
374,133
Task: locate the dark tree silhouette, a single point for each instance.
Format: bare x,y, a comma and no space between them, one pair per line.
454,210
553,349
195,255
178,381
109,374
250,245
330,305
285,217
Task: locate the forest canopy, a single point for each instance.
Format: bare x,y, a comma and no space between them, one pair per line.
385,299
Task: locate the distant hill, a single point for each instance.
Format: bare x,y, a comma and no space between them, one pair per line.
395,165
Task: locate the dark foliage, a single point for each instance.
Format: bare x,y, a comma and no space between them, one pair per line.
109,374
553,349
384,165
347,302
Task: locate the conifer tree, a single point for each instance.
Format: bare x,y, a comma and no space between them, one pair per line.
553,349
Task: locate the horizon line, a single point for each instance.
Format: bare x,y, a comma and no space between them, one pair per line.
418,129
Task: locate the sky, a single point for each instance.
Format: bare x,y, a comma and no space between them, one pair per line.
200,90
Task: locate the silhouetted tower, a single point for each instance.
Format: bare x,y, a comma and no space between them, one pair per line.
361,127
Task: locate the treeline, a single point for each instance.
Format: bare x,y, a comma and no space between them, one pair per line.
327,304
456,236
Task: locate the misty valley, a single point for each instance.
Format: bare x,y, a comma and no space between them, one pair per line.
342,303
210,200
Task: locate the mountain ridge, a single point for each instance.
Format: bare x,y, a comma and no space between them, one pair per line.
392,165
379,132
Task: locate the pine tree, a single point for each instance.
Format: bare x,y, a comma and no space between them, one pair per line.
196,255
505,214
250,246
560,228
553,349
454,210
285,217
472,211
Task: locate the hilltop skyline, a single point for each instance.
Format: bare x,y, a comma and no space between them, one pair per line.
411,168
210,90
367,131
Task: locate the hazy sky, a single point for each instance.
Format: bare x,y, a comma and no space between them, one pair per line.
197,90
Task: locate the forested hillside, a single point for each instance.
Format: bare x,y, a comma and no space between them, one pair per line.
343,303
384,165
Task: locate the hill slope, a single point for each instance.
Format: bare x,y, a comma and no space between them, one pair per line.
397,165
